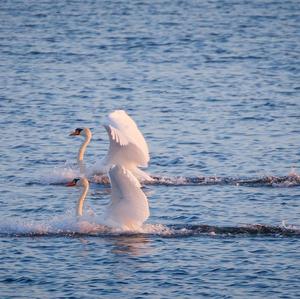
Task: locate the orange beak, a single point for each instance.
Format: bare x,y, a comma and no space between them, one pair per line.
71,184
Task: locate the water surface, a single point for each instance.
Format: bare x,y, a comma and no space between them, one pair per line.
213,86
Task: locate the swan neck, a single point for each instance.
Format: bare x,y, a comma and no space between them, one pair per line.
79,210
88,136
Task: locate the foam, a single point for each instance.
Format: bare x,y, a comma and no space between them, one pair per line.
70,226
59,175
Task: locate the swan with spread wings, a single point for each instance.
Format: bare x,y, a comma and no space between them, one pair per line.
127,146
128,208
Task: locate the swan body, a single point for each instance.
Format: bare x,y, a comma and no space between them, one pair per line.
127,146
128,208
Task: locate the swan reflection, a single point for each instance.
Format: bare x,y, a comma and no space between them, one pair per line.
137,245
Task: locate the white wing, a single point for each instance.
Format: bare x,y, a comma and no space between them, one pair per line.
127,144
129,205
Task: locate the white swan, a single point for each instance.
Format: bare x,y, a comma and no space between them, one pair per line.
127,146
128,208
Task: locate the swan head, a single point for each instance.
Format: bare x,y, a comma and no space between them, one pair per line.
73,183
82,132
77,132
78,182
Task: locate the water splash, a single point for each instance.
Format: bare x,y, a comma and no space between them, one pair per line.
290,180
70,226
59,175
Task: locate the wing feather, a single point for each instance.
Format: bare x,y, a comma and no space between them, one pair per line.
126,140
116,136
129,205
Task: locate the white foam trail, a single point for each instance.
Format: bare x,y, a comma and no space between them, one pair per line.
67,172
290,180
59,175
91,225
68,224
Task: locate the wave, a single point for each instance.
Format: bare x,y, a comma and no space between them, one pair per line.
291,180
71,227
68,172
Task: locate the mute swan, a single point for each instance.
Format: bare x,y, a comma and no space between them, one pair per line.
127,146
128,208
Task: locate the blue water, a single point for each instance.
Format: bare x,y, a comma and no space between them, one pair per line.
214,86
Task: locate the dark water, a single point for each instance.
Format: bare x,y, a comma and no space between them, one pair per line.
214,87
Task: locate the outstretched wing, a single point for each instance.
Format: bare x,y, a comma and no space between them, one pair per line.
129,205
127,144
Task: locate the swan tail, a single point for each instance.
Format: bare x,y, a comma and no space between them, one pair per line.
141,175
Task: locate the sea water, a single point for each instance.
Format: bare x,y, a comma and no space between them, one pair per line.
214,87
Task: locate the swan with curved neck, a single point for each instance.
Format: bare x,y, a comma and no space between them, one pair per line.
128,207
127,146
85,184
86,132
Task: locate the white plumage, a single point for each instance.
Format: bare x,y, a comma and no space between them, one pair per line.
127,146
129,207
